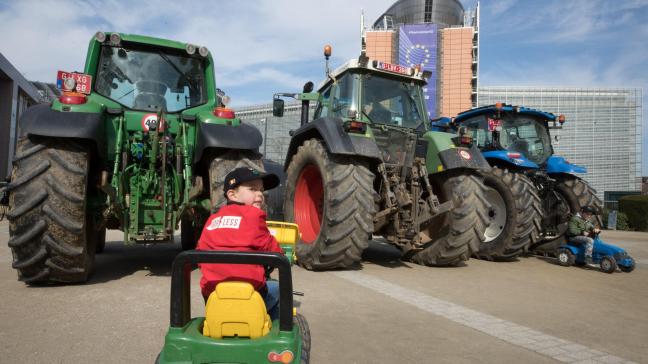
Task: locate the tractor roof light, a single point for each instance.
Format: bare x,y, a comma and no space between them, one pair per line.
115,39
191,49
203,51
499,106
561,119
100,37
327,51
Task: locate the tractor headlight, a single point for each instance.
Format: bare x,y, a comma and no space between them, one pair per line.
191,49
115,39
203,51
100,37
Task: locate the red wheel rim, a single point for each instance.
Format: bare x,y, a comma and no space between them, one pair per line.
309,194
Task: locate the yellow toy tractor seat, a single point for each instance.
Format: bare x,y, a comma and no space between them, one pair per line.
236,309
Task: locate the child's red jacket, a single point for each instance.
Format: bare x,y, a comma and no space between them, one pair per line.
235,227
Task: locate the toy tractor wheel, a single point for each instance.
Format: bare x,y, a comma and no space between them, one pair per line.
627,268
52,237
573,193
515,214
608,264
331,199
458,234
566,258
301,322
221,165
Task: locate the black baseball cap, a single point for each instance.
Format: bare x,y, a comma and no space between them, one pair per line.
588,209
246,174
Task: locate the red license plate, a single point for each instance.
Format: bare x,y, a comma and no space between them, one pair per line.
83,81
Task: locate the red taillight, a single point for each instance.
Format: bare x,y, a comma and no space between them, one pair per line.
73,98
561,119
355,127
514,155
285,357
223,112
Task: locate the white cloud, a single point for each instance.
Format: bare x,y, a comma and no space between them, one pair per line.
497,8
49,35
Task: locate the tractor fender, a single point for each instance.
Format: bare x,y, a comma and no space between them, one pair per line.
502,157
336,140
557,164
243,136
42,120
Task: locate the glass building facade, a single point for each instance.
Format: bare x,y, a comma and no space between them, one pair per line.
602,131
442,12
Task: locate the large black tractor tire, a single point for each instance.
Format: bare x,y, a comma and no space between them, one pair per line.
331,199
458,234
515,215
52,238
221,165
574,194
305,335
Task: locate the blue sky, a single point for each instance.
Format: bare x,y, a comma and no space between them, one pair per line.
262,47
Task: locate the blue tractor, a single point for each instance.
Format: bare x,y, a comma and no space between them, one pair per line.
533,193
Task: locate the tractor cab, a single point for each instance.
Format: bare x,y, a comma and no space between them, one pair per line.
150,79
522,133
370,91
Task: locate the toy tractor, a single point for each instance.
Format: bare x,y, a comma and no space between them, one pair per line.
532,192
367,164
236,327
608,256
140,142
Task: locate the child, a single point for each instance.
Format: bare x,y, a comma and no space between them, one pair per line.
240,226
581,231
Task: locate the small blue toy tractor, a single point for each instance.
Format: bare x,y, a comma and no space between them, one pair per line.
608,256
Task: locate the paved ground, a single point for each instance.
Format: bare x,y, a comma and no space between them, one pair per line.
530,310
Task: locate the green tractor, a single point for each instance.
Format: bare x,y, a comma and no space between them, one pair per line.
140,142
236,327
368,165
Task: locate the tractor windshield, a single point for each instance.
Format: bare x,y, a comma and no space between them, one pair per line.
518,134
392,101
150,80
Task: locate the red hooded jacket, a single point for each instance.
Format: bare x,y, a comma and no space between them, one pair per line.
235,227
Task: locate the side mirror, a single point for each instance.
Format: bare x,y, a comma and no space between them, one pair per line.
278,107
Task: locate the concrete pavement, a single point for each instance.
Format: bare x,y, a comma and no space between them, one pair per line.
530,310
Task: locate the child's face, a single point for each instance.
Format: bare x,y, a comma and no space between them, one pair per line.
248,193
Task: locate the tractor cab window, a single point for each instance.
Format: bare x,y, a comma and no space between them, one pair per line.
322,109
527,136
150,80
514,133
390,101
343,96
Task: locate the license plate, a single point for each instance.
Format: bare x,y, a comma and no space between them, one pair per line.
83,81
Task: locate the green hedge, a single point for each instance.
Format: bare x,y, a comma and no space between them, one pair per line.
636,208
